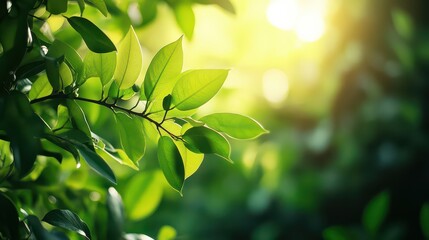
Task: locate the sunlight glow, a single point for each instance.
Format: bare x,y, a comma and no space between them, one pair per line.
305,17
275,85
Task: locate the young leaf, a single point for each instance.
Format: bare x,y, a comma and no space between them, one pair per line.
185,17
164,67
375,212
206,140
100,65
171,163
66,77
95,39
142,203
69,220
100,5
96,162
56,6
196,87
40,88
234,125
131,135
191,160
424,220
130,59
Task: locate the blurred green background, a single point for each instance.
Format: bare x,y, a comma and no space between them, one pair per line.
342,87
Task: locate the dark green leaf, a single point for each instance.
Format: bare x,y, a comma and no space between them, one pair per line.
235,125
424,220
196,87
53,72
166,102
131,135
56,6
69,220
206,140
95,39
96,162
66,145
38,232
171,163
335,233
9,221
375,212
30,69
81,4
116,219
164,67
78,117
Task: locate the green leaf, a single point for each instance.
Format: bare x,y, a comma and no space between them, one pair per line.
185,18
148,10
196,87
100,65
66,77
206,140
130,59
167,233
122,159
31,69
100,5
53,72
56,6
140,204
69,220
81,4
9,220
40,88
116,93
171,163
66,145
131,135
164,67
336,233
71,57
166,102
78,117
95,39
96,162
234,125
424,220
115,221
375,212
403,23
191,160
38,231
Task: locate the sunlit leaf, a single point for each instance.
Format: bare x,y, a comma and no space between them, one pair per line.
131,135
66,76
122,159
130,59
135,236
185,18
165,66
69,220
56,6
167,233
234,125
100,65
95,39
40,88
171,163
206,140
192,161
71,57
403,23
116,93
375,212
115,220
140,204
196,87
100,5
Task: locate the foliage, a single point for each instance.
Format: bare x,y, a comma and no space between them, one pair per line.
49,137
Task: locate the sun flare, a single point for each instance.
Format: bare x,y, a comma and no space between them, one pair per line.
304,17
